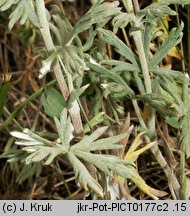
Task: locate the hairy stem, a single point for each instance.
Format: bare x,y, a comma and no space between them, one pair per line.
45,31
137,36
183,191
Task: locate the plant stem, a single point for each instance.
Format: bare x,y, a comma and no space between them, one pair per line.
75,109
137,36
128,5
183,191
45,31
158,155
136,5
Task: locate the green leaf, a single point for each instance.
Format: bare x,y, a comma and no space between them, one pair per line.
89,139
75,94
64,129
122,20
98,13
6,4
120,47
4,89
147,35
83,176
53,102
73,59
173,122
46,64
29,171
102,144
24,9
159,103
29,138
43,153
102,162
94,121
173,39
171,90
110,75
158,9
89,42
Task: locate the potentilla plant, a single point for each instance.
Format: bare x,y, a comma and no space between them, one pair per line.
72,60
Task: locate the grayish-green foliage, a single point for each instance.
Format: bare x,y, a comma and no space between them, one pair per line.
169,98
39,149
24,10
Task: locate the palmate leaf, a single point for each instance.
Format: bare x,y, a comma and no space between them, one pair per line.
121,66
69,54
46,151
24,9
164,72
88,143
110,163
106,163
38,148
